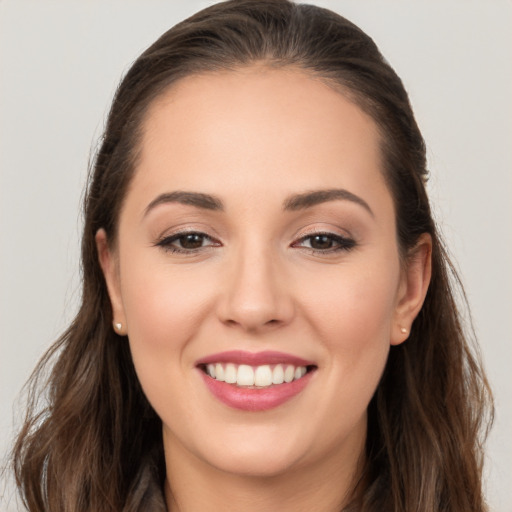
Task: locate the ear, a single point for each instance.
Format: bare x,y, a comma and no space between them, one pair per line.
110,267
413,288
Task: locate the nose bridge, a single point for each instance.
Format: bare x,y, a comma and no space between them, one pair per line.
256,294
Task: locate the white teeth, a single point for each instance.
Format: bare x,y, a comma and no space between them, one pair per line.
278,375
289,373
300,371
230,373
219,372
259,376
245,375
263,376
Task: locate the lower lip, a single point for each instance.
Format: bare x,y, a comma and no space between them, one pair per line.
251,399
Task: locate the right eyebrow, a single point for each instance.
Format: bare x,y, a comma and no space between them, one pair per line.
315,197
197,199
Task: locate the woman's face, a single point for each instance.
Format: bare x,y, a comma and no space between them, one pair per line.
257,242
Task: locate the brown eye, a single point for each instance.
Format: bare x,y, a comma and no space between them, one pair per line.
191,241
321,242
187,243
325,243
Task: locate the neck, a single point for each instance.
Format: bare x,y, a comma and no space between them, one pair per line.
193,484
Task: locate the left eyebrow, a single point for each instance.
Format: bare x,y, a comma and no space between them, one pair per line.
315,197
205,201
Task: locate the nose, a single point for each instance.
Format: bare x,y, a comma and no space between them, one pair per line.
256,294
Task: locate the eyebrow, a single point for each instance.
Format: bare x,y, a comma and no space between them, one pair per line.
205,201
315,197
292,203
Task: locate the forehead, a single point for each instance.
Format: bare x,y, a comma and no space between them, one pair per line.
261,130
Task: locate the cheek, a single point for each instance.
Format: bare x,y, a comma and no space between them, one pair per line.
352,314
162,303
163,310
354,303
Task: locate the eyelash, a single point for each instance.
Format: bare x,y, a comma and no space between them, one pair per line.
340,243
167,243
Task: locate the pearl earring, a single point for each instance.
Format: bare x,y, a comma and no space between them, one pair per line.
403,330
118,326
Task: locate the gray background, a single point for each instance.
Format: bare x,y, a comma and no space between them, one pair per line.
60,62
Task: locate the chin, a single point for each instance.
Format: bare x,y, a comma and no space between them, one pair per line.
254,463
258,451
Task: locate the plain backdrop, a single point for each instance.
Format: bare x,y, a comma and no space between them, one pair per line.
60,64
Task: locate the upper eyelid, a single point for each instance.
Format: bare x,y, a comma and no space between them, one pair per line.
314,232
183,231
319,231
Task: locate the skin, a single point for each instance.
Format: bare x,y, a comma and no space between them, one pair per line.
252,138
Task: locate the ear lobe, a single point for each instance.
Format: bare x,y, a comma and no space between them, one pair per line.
109,266
413,288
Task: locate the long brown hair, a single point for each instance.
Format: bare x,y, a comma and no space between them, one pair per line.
96,443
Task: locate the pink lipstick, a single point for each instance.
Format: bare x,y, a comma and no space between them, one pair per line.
255,381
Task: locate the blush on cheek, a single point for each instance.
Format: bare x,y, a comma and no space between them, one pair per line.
355,324
157,313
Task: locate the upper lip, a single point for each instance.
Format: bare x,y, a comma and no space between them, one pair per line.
254,358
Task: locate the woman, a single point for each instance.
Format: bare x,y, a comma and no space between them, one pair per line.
267,319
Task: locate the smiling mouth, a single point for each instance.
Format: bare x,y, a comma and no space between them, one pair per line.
255,377
255,381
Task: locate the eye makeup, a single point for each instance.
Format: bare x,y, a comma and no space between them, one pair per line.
325,243
191,242
187,242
